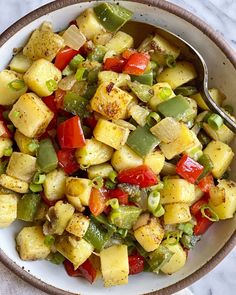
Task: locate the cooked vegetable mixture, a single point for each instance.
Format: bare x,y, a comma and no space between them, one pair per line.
109,150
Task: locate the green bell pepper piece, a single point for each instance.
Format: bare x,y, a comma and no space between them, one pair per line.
46,157
102,219
146,78
27,207
56,258
112,16
142,141
97,54
93,76
207,163
76,61
125,216
89,92
76,104
189,241
143,92
159,257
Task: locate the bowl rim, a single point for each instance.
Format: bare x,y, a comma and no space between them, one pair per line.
229,53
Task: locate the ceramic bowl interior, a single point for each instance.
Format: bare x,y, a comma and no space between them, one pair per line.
211,248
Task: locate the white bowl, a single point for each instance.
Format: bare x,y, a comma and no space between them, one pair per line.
220,238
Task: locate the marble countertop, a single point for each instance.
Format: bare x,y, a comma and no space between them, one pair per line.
220,14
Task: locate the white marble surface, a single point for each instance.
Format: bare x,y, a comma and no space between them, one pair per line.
221,15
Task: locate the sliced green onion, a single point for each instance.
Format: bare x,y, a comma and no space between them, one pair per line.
8,152
153,201
214,217
76,61
16,85
186,90
159,211
56,258
67,71
33,145
16,114
112,176
187,228
51,85
175,235
153,118
229,109
170,61
35,188
123,232
80,74
49,240
215,121
157,187
39,178
114,203
97,182
110,184
165,93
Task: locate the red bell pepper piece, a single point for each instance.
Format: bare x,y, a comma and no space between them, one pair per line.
120,195
196,207
97,201
70,133
85,270
67,161
189,169
90,122
136,264
115,64
202,225
141,175
64,56
136,64
59,98
4,131
128,52
206,183
51,104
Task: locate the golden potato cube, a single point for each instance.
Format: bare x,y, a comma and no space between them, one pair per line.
139,114
120,42
223,134
177,191
111,102
156,99
9,95
216,95
14,184
78,225
180,144
125,158
180,74
55,185
23,143
79,188
40,74
8,209
111,134
102,170
5,143
76,203
177,213
30,115
155,160
21,166
74,249
115,265
93,153
221,155
43,43
150,235
30,243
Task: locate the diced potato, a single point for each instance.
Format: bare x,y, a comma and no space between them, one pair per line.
150,235
125,158
79,188
55,185
111,134
9,95
40,74
58,218
93,153
216,95
43,43
155,160
102,170
198,195
14,184
195,151
227,206
23,142
5,143
177,191
102,38
30,115
75,250
139,114
119,79
120,42
182,73
183,142
111,103
76,203
177,261
167,130
223,134
177,213
156,99
20,63
78,225
8,209
21,166
89,25
115,265
30,243
221,155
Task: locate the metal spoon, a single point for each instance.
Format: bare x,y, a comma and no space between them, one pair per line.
140,31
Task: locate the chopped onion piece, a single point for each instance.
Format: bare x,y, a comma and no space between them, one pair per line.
67,83
74,38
